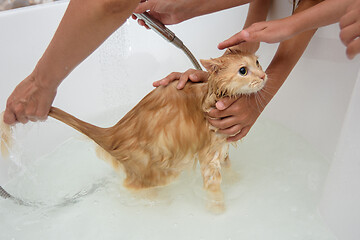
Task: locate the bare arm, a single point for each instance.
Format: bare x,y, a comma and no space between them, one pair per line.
322,14
176,11
85,25
258,10
236,117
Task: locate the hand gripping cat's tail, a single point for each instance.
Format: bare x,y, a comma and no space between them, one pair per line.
93,132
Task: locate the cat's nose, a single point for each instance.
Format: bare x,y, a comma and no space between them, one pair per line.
262,76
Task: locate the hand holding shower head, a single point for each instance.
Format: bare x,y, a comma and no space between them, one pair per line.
168,35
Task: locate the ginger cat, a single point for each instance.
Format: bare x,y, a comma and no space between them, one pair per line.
167,131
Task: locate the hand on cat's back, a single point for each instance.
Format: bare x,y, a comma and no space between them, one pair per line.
232,116
191,74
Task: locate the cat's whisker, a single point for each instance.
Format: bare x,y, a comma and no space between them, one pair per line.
258,102
263,99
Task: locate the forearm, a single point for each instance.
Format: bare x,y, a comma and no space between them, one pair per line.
286,57
85,25
325,13
258,11
209,6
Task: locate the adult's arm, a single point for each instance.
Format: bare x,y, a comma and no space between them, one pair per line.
176,11
85,26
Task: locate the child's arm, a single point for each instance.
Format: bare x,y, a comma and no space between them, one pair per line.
235,117
322,14
350,29
258,10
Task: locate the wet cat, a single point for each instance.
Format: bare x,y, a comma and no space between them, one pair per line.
167,131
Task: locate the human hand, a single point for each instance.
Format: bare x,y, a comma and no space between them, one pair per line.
350,29
166,11
236,116
176,11
268,31
191,74
29,101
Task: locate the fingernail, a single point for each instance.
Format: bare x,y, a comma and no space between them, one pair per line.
220,105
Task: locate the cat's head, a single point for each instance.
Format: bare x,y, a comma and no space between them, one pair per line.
235,73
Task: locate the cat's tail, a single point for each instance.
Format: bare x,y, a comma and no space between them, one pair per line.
93,132
6,138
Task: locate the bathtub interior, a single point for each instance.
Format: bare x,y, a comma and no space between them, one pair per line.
307,113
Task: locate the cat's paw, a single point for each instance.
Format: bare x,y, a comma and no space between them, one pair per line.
215,202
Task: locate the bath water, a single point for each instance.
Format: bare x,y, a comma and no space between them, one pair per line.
271,193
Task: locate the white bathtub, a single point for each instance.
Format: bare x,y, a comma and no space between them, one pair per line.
320,101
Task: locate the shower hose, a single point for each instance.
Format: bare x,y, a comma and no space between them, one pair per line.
163,31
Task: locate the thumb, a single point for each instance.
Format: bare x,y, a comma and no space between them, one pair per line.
224,103
199,76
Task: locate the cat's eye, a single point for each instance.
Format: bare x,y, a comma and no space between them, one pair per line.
257,63
243,71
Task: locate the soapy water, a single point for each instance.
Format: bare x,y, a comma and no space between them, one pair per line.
271,192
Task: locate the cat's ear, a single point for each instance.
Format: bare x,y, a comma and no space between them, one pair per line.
211,65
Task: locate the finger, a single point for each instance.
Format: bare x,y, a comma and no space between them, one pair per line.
199,76
349,33
183,79
19,111
224,103
143,7
9,117
353,48
224,123
234,40
166,80
43,108
240,135
231,131
229,110
33,119
143,24
348,19
22,118
215,113
30,110
42,113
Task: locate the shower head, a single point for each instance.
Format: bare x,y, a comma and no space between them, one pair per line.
168,35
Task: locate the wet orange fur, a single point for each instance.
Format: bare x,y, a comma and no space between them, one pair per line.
167,130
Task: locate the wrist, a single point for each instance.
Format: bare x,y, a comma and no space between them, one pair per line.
292,25
45,78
